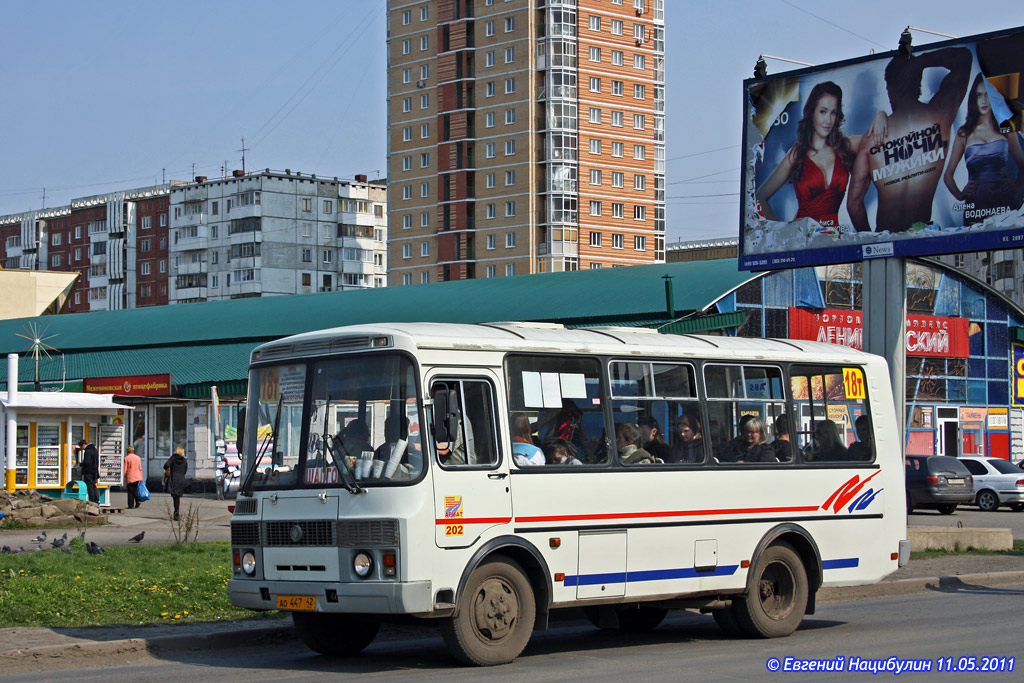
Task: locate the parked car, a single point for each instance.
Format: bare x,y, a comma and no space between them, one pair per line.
996,482
937,483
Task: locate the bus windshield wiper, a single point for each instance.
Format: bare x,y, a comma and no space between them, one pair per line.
346,477
262,450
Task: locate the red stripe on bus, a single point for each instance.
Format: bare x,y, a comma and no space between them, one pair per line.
473,520
674,513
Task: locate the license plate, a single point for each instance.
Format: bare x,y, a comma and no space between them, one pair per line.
297,603
955,481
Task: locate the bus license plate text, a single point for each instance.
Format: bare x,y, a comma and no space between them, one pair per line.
300,603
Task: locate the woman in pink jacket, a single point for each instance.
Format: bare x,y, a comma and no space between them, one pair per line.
132,476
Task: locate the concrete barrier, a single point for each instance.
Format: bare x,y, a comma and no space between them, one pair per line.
949,538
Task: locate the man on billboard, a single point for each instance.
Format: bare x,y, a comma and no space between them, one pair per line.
907,167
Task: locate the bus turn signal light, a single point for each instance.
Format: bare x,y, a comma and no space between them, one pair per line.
559,576
745,564
555,542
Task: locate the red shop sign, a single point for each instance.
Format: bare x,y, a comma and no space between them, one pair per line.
926,335
137,385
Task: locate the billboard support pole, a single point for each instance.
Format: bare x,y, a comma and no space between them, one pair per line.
885,304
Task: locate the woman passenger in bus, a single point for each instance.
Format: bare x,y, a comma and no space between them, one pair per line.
627,440
688,446
564,423
826,446
524,452
750,444
863,450
651,439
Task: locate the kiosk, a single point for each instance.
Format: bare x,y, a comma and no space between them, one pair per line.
39,430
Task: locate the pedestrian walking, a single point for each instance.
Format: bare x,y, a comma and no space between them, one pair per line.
132,476
89,458
174,470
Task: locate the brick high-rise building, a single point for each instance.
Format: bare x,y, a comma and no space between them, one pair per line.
524,136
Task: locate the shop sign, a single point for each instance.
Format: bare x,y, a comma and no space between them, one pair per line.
973,414
998,418
926,335
137,385
1017,395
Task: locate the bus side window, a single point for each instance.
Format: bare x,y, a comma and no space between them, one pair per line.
475,442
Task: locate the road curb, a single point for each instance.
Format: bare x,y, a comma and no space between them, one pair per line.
907,586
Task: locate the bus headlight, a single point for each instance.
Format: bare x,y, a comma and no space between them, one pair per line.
362,564
249,563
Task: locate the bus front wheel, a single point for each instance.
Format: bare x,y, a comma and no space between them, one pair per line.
778,595
335,635
496,614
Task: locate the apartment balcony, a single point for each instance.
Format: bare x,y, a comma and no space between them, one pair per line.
247,211
190,293
251,287
558,248
191,238
199,267
188,219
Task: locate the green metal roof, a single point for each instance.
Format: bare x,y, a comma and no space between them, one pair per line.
209,342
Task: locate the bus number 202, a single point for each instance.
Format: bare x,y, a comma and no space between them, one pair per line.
452,529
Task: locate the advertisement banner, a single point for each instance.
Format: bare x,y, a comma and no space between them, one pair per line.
926,335
1017,396
137,385
888,155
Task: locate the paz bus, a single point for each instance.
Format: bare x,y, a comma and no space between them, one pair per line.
488,474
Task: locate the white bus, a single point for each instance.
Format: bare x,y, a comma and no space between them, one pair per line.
485,475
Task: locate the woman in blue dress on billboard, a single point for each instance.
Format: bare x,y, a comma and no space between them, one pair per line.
819,163
988,153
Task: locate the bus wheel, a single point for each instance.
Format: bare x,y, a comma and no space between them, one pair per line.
335,635
635,618
726,620
778,596
495,617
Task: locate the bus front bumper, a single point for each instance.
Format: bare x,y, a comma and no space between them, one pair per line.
371,597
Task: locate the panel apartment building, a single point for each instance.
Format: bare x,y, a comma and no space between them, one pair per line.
255,234
524,136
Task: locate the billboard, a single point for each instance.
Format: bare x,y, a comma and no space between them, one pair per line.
888,155
925,335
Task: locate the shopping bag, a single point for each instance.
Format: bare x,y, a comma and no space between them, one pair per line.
142,493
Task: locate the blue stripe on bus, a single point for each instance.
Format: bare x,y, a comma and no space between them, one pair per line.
648,575
845,563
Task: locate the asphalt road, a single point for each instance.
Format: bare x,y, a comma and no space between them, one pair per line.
965,622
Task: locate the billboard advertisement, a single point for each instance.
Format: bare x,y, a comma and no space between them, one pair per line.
889,155
926,335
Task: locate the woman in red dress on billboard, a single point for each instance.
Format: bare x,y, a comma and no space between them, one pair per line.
819,163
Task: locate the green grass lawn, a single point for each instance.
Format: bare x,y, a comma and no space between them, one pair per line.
124,585
1018,550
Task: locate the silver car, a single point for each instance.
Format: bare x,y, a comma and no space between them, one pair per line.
996,482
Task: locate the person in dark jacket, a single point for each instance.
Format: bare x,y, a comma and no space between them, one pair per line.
89,458
750,445
175,469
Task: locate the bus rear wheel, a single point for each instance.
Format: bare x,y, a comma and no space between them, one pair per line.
335,635
778,595
496,614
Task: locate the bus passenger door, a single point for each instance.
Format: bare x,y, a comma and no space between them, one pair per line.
471,482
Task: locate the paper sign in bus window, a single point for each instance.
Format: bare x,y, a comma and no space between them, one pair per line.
574,385
551,389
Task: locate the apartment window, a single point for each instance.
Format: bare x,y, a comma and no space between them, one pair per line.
638,121
617,118
595,239
492,210
424,131
425,219
595,84
595,115
407,279
147,222
424,248
638,91
307,280
145,245
424,101
510,24
510,147
638,5
406,75
407,192
618,240
424,43
639,152
307,255
407,134
617,210
510,269
489,58
616,27
639,182
424,277
55,261
638,61
214,256
510,210
595,146
425,160
618,179
406,104
510,178
424,189
595,176
55,239
424,13
327,255
489,150
489,28
617,88
78,253
595,266
163,217
78,232
616,57
407,46
424,72
214,209
144,268
307,229
490,271
595,208
489,88
489,180
510,55
617,149
490,241
489,119
510,117
406,17
146,291
639,243
638,32
407,163
594,54
510,85
406,251
639,213
594,22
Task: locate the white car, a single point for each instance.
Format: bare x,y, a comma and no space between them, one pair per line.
996,482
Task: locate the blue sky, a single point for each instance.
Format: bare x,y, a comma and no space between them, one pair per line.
102,96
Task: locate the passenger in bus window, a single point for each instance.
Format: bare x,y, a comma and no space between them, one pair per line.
627,441
651,439
750,444
782,446
864,449
825,446
354,439
559,453
564,423
688,446
524,452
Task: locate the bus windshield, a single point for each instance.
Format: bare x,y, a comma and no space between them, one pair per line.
360,413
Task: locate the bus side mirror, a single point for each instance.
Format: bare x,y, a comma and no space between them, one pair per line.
446,415
240,439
